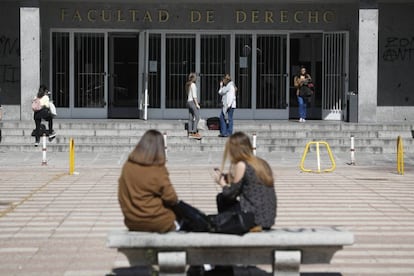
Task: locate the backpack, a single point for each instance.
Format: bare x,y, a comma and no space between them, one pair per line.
36,106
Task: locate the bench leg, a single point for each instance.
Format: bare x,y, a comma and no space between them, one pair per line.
286,263
172,263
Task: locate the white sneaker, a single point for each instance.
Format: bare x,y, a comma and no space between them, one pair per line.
300,120
303,120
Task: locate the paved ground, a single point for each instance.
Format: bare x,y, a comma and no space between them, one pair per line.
52,223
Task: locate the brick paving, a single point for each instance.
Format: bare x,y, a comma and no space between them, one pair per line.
52,223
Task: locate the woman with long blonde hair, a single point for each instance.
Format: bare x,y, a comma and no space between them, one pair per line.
249,185
193,106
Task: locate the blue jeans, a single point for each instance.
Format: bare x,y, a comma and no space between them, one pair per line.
226,129
302,107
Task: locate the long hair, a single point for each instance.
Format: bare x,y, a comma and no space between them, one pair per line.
42,91
239,148
191,79
150,151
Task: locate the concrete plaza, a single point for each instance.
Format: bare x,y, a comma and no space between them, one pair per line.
53,223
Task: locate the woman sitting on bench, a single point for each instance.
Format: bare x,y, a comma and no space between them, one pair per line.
145,192
248,187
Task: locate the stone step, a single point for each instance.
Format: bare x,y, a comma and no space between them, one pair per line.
284,136
279,133
243,125
207,139
125,148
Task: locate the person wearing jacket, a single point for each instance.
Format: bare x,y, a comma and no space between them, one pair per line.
227,92
43,113
302,79
145,193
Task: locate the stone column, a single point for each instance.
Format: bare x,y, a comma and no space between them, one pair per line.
368,62
29,59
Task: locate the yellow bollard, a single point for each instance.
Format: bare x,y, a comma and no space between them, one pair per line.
317,143
71,156
400,156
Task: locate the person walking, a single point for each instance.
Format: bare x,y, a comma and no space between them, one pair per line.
227,92
303,92
41,111
193,106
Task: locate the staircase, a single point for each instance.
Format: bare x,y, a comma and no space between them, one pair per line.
272,135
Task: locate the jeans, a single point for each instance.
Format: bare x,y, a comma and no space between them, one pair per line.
302,107
193,117
226,128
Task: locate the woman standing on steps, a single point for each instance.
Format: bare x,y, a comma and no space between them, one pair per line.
193,106
43,112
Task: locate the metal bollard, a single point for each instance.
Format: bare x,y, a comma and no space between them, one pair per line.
400,156
71,156
352,150
44,149
254,143
165,145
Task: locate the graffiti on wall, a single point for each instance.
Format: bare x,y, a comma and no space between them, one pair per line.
398,49
9,51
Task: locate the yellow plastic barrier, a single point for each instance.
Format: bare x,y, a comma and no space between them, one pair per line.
317,143
400,156
71,156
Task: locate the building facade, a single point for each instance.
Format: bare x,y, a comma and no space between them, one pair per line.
131,59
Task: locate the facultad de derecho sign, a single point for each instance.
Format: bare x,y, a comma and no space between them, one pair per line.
162,16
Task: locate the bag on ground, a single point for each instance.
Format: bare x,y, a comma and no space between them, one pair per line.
202,124
213,123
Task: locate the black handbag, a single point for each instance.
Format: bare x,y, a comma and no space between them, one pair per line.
305,91
233,222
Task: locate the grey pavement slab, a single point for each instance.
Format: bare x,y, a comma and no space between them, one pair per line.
53,223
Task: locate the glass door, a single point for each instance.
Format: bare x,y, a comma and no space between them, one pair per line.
123,75
89,95
180,61
271,76
335,74
214,64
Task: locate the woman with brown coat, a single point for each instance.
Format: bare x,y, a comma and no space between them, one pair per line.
145,192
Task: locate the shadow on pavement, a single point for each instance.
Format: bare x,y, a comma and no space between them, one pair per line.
217,271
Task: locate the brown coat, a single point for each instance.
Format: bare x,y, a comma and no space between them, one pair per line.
145,194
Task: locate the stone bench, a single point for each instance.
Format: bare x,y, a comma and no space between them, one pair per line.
284,248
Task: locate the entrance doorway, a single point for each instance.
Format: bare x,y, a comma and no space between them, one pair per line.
325,56
123,75
120,74
306,50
